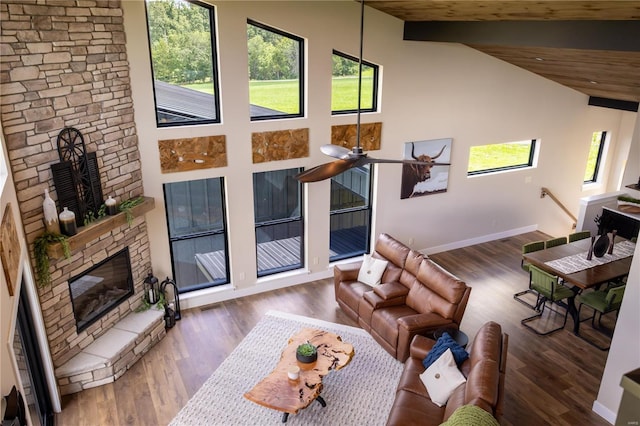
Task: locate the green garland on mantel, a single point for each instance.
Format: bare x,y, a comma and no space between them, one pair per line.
40,246
129,204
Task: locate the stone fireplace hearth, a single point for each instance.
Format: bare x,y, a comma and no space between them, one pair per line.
65,65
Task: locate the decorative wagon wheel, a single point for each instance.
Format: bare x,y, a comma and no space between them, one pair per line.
71,145
79,184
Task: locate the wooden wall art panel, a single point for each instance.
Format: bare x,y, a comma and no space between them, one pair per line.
181,155
280,145
10,249
345,136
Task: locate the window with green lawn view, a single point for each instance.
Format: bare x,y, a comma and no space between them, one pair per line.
276,73
350,215
183,62
197,233
501,156
344,85
279,225
595,156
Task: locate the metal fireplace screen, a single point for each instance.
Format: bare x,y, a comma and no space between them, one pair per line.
101,288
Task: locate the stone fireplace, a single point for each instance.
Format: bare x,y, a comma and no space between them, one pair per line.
65,65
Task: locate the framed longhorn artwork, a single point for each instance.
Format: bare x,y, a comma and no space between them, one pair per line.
430,178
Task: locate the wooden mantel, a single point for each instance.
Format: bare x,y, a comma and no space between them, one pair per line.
93,231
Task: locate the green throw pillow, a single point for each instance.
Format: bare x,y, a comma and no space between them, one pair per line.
471,415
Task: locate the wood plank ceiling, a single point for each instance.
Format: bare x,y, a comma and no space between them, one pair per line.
590,46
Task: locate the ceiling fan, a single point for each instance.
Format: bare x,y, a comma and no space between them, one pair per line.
356,157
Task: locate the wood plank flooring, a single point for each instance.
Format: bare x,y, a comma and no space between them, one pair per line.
551,380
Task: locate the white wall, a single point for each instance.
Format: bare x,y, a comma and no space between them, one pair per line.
624,355
429,91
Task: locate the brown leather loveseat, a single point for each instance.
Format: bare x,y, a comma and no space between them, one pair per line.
484,370
415,297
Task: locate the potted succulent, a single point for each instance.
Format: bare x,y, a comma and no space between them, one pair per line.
306,353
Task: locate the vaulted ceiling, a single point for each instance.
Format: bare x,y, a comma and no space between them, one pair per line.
590,46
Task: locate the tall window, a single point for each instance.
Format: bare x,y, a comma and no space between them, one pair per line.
501,156
277,200
276,73
595,157
183,61
344,85
197,233
350,213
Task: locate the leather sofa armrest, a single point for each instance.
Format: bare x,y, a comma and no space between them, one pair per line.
378,302
411,325
346,271
423,322
392,290
420,347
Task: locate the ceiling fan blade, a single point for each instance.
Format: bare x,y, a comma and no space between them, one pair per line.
326,171
371,160
336,151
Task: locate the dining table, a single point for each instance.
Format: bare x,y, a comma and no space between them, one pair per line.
569,262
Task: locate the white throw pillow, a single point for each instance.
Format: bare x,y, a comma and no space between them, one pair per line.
371,270
442,378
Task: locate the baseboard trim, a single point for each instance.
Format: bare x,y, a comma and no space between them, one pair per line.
478,240
604,412
215,295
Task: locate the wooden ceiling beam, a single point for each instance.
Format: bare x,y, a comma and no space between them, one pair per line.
590,35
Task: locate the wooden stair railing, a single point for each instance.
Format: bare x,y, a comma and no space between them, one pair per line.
544,192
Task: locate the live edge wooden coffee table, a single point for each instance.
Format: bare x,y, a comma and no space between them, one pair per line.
278,392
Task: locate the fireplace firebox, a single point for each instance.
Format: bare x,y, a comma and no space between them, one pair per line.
101,288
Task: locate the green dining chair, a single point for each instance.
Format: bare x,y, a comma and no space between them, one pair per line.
601,302
555,242
549,290
528,248
580,235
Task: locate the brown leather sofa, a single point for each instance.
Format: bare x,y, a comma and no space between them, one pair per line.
415,297
484,370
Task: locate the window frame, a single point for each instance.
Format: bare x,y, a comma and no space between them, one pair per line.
530,161
214,64
375,82
301,74
599,158
280,221
368,208
224,231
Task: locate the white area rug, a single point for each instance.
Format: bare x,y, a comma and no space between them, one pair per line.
360,394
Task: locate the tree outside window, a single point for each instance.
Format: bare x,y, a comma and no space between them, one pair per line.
344,85
181,41
275,73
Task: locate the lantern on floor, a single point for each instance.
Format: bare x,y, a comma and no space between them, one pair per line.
169,288
151,289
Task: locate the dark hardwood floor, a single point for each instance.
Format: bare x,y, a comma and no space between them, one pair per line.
550,380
